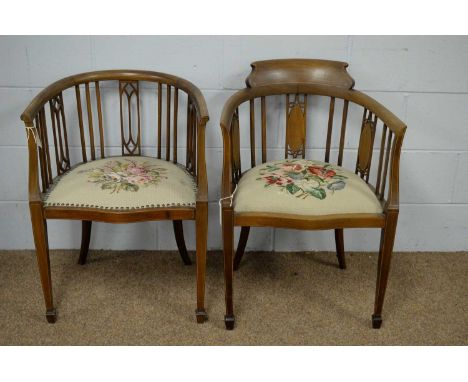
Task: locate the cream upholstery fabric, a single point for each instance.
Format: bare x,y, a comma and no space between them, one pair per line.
297,186
124,183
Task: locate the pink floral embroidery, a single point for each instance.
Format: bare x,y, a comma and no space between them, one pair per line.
127,175
303,179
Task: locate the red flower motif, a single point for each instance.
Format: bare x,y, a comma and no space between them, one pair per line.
270,179
280,181
316,170
321,172
330,174
297,167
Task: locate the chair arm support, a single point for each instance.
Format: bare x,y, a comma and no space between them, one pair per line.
393,200
202,180
33,174
226,182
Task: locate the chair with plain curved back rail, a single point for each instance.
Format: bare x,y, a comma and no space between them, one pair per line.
74,173
309,194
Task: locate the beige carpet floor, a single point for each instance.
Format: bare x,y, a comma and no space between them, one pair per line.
148,298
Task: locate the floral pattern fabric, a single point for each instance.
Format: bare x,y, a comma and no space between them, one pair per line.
303,179
303,187
124,182
126,175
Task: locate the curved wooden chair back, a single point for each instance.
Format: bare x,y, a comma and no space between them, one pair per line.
78,119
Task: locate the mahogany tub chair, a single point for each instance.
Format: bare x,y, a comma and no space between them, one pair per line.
308,194
96,112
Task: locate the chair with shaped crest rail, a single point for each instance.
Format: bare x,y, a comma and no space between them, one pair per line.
283,189
87,160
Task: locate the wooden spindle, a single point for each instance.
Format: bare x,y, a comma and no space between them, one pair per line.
372,148
235,148
331,113
364,117
194,140
191,137
159,118
138,142
45,143
188,158
174,128
80,123
99,110
252,132
264,143
42,160
381,155
286,124
343,132
61,115
56,144
387,158
168,122
90,121
305,126
122,134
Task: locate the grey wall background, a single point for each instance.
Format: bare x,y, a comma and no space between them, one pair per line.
423,80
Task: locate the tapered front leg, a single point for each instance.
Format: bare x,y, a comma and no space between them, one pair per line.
340,254
85,238
202,236
383,268
39,228
228,244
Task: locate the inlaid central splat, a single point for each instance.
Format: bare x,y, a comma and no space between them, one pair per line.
366,144
295,126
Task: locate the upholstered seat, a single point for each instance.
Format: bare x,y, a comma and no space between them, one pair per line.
129,182
304,187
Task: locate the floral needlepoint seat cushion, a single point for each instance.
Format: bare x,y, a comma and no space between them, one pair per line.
124,183
304,187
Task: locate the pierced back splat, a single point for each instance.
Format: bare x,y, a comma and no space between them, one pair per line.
131,90
59,129
295,126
